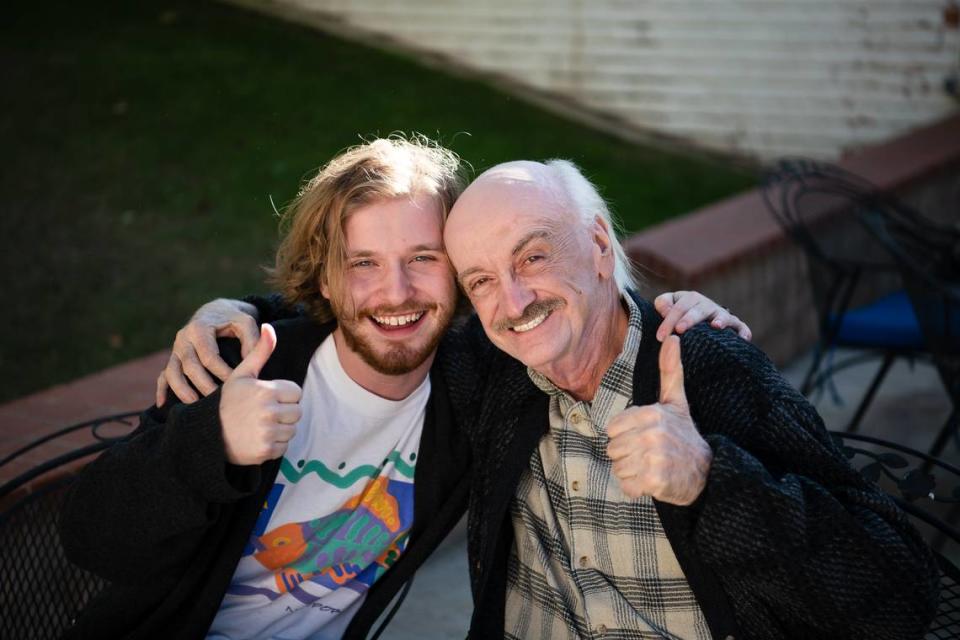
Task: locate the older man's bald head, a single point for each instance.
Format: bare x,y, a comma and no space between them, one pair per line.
557,189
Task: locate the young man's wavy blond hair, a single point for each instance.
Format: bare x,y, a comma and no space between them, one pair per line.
313,248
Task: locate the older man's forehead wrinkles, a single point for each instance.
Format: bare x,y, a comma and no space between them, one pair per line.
536,234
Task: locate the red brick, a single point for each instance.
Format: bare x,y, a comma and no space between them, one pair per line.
125,387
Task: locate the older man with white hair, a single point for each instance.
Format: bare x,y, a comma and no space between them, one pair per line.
623,489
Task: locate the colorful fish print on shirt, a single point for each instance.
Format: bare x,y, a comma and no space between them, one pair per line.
351,547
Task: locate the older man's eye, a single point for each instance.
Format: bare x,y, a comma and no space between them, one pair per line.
476,284
357,264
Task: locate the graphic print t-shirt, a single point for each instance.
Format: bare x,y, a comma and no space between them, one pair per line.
337,516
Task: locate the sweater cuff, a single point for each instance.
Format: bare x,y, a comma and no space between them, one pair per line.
198,455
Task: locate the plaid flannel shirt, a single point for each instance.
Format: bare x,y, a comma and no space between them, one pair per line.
588,561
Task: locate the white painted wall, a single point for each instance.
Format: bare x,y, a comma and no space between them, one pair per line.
762,77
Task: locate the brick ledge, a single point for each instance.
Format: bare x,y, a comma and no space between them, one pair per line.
128,386
684,250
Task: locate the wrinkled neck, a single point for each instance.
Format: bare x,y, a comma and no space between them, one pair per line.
580,373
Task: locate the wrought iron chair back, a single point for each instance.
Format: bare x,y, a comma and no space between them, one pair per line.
41,591
847,267
929,264
928,490
801,194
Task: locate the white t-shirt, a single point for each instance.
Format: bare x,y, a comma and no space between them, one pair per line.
336,518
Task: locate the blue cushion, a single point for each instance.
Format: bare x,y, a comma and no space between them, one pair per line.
888,322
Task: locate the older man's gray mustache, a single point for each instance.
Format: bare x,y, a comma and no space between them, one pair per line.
534,310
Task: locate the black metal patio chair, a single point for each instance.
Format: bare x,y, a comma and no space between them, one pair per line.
860,300
931,273
41,591
928,490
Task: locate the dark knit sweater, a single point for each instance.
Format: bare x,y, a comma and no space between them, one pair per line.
786,540
164,517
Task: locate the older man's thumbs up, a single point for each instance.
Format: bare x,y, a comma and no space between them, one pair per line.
259,417
656,449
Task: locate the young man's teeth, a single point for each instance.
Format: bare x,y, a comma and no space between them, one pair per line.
532,324
398,321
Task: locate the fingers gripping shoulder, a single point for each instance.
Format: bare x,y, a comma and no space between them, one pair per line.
170,392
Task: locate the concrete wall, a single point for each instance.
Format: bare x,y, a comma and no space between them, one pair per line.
759,77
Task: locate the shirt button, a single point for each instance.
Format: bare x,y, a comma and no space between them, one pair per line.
601,630
576,418
583,561
575,485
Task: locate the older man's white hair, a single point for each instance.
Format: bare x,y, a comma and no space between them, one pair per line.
588,204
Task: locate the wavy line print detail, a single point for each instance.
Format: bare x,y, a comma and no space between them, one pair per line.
294,476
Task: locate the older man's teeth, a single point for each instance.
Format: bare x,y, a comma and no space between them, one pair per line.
398,321
533,324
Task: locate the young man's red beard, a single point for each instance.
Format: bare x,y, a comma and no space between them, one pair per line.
398,358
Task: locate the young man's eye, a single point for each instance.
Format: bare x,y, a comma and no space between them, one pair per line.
425,258
361,263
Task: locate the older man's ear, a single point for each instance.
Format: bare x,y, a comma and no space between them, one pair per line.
603,253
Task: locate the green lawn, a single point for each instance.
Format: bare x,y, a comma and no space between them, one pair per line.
145,140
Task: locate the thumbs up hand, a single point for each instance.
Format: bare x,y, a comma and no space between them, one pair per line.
258,417
656,449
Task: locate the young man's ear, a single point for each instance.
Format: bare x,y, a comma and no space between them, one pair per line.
324,287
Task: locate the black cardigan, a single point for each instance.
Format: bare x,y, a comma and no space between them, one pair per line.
165,518
786,541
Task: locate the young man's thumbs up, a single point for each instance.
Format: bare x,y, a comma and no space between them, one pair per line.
251,365
258,417
656,449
